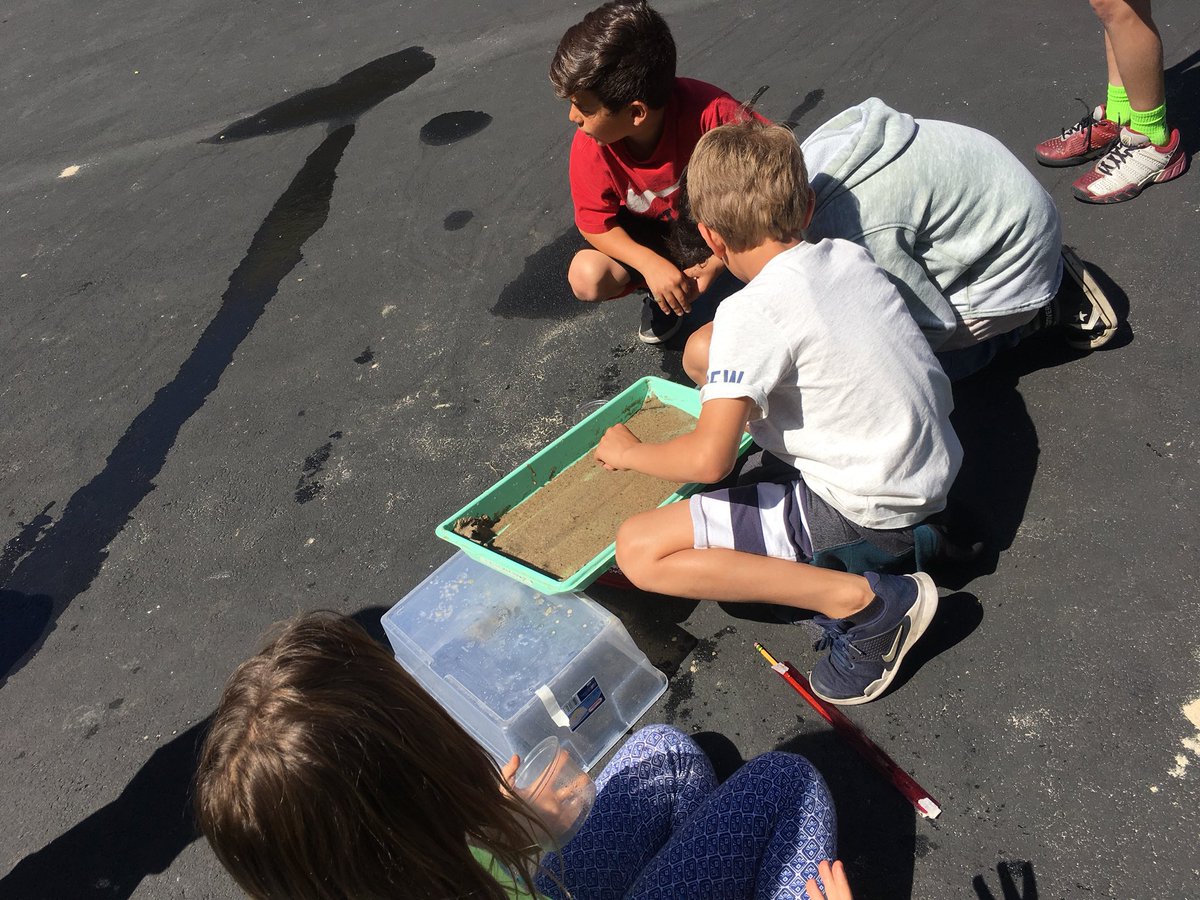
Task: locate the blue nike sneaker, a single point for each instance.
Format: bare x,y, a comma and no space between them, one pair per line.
864,658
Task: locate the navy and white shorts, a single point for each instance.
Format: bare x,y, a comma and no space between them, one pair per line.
783,518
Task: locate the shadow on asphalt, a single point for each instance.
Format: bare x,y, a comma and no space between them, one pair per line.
45,569
1183,101
140,832
957,617
1009,873
1000,455
652,620
723,753
540,291
452,127
338,103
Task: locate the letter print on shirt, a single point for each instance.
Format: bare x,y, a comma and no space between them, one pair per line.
727,376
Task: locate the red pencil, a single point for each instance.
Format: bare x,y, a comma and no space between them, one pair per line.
904,783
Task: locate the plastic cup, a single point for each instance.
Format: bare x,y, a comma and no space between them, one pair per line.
557,789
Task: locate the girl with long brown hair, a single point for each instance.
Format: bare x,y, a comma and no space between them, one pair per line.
329,774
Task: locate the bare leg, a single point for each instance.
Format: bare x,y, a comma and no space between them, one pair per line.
1134,50
695,354
656,552
1114,74
595,276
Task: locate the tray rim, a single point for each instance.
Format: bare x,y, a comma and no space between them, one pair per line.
592,569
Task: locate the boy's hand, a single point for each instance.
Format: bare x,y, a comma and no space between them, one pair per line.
834,878
673,290
613,445
703,274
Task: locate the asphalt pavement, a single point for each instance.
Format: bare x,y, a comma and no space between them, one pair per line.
282,286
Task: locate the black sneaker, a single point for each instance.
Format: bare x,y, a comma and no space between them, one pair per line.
863,659
657,326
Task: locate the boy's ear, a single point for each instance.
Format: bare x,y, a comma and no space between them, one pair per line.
714,241
638,111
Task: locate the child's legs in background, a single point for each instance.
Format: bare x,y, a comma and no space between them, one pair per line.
650,788
760,834
1133,49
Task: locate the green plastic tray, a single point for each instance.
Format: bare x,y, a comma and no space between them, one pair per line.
538,470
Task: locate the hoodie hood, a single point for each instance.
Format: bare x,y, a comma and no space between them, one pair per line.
853,146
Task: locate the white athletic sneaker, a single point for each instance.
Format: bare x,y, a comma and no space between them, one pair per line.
1130,166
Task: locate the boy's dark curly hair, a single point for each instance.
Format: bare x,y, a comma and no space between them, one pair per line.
621,52
684,244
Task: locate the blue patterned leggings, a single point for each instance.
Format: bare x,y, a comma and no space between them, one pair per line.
662,827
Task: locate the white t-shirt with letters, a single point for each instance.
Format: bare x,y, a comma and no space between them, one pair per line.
846,387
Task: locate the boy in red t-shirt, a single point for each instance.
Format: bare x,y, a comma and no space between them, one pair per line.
638,125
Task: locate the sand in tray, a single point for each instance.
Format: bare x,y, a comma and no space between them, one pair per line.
565,524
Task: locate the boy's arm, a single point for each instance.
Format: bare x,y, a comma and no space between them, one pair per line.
705,455
666,283
705,273
596,205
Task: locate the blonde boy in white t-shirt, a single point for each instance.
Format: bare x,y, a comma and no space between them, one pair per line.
820,358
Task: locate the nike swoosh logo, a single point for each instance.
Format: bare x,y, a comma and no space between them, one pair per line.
890,657
640,203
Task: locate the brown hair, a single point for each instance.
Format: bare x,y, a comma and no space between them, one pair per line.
747,182
621,52
329,773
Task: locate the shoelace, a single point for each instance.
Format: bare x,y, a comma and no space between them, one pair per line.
1088,120
835,641
1115,157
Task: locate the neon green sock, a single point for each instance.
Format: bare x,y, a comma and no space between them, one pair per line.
1152,123
1116,107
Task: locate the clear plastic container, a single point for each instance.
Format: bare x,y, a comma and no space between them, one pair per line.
515,666
554,784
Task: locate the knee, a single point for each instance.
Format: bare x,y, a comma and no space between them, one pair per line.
695,355
791,772
1112,12
636,553
587,276
790,775
660,735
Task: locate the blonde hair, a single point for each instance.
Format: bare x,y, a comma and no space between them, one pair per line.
330,774
747,182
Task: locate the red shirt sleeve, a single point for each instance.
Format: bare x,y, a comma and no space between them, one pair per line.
724,110
592,190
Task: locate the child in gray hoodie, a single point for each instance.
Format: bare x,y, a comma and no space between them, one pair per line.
967,235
